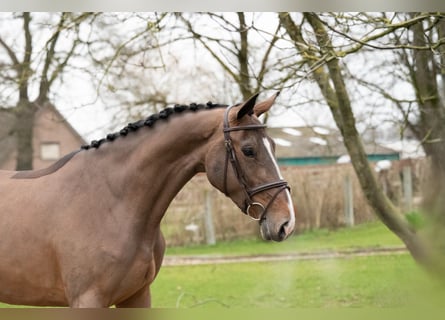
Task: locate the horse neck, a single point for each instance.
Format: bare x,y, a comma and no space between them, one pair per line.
147,168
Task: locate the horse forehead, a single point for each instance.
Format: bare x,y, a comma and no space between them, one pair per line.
259,133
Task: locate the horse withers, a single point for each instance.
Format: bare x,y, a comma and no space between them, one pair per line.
85,232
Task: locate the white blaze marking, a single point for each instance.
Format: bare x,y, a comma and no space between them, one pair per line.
274,161
291,223
289,199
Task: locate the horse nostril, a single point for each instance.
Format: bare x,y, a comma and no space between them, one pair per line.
282,232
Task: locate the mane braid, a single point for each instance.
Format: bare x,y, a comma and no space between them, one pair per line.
151,120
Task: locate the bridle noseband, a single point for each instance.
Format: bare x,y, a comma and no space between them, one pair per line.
249,192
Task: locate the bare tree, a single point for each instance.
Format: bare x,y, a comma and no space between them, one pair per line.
425,66
48,47
137,73
246,62
34,60
322,57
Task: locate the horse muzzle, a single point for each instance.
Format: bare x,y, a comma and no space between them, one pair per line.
278,229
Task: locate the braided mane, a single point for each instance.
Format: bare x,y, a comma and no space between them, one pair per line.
131,127
151,120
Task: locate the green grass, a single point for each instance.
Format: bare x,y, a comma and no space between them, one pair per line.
370,235
374,281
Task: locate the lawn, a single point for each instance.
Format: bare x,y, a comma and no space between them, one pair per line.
374,281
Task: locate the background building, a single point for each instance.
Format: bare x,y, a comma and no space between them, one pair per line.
295,146
53,137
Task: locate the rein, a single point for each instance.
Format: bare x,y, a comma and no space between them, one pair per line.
249,192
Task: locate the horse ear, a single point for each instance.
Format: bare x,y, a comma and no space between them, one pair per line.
265,105
247,107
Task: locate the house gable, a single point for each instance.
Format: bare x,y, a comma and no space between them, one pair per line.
53,137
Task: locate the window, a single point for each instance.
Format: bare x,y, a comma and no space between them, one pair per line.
50,151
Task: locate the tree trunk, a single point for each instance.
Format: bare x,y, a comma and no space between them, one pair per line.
23,128
242,55
425,70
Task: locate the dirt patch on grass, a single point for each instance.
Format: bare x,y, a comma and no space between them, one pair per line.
178,260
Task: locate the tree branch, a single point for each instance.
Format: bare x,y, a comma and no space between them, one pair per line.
315,62
120,48
263,69
388,29
242,56
49,58
399,103
198,37
10,52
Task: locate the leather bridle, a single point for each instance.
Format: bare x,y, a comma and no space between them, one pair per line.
280,185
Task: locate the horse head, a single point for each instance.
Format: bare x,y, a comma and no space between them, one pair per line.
241,164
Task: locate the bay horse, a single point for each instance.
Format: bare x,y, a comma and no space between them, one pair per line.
85,232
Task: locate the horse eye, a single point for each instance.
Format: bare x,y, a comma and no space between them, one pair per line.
248,151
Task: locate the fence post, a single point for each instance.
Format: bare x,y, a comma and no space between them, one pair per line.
208,219
348,201
407,188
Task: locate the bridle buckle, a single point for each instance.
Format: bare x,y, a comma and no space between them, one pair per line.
228,144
